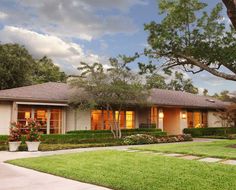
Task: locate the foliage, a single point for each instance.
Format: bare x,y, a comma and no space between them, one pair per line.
150,139
147,126
192,38
227,117
16,65
113,89
15,132
18,68
178,83
32,130
225,96
210,131
139,139
47,71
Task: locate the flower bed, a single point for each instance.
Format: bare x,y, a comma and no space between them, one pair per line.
148,139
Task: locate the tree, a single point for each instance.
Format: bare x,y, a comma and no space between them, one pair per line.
16,65
18,68
178,83
225,96
227,117
47,71
205,92
193,39
231,10
114,89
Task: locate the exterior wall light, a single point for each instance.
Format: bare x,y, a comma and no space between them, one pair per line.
161,114
184,115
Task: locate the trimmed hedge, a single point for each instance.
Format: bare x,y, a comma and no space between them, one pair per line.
210,131
147,126
108,131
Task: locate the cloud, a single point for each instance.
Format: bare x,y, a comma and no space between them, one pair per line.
67,55
83,19
3,15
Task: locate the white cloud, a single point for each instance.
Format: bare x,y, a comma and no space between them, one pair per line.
68,55
3,15
84,19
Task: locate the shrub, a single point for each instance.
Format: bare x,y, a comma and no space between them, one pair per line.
32,130
15,132
139,139
147,126
148,139
210,131
231,136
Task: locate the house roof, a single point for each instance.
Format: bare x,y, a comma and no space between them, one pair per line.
48,92
59,92
184,99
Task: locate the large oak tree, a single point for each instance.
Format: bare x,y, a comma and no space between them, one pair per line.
193,38
18,68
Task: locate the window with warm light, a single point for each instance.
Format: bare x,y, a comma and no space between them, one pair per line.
197,119
50,118
101,119
154,115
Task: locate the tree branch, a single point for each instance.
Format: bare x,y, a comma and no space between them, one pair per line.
231,10
213,71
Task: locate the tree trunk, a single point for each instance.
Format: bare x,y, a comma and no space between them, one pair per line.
231,10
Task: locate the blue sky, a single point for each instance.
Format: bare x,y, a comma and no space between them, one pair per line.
70,31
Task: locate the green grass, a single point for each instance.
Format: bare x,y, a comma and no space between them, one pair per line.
219,149
135,171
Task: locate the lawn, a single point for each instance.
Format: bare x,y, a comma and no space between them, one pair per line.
219,149
135,171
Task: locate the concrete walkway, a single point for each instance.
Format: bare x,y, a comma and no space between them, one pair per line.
14,177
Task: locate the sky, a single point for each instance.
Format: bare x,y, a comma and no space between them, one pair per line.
71,31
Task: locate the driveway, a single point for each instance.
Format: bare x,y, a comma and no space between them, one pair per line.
18,178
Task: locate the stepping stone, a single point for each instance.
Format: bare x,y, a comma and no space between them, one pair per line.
158,153
190,157
230,162
210,160
132,150
146,152
173,155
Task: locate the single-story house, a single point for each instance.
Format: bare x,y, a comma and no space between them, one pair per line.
171,111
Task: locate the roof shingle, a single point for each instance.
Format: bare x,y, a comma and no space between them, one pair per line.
59,92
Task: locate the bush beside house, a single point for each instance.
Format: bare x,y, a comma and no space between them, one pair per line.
82,139
218,132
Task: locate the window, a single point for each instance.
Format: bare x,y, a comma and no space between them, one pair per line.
154,116
56,121
97,120
101,119
41,116
49,118
197,119
130,119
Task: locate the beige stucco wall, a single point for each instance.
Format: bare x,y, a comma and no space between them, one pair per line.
83,120
213,120
70,119
78,119
171,121
183,121
5,117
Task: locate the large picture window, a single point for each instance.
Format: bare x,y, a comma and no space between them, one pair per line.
50,118
100,119
197,119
